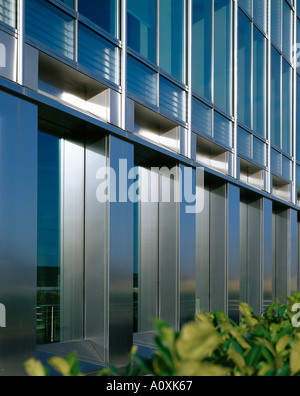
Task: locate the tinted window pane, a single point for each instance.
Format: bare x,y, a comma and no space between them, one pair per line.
259,151
50,26
244,70
172,99
222,53
142,81
276,22
259,82
171,54
103,13
223,130
202,118
98,55
142,27
286,107
260,13
202,47
8,12
244,143
275,97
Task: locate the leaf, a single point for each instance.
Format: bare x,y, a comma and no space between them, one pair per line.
237,359
247,312
267,344
265,370
295,359
197,341
197,369
283,343
254,356
34,368
61,366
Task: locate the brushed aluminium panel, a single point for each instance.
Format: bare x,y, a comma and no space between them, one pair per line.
18,232
218,251
168,254
95,248
72,241
187,252
148,257
121,250
233,250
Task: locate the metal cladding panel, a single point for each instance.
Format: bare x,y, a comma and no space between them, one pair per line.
18,232
168,256
267,248
8,56
95,248
148,259
121,251
187,252
293,235
233,250
218,262
72,242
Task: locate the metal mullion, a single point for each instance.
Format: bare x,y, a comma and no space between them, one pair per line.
213,53
294,107
21,41
235,85
268,93
123,11
189,76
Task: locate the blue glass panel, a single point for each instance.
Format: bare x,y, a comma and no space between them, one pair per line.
287,31
259,83
50,26
223,130
98,55
260,13
103,13
276,162
171,51
244,70
141,23
222,54
8,12
202,118
142,81
276,22
259,151
286,168
172,99
275,97
286,107
246,5
202,47
244,143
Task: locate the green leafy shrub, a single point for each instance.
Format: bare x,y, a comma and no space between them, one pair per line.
213,345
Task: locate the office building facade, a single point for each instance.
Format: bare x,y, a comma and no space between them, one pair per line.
148,89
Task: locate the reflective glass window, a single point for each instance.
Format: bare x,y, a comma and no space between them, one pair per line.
202,47
98,55
171,37
275,98
298,118
141,20
51,27
222,130
172,99
202,118
244,70
259,82
222,55
8,12
103,13
142,81
276,22
260,13
286,107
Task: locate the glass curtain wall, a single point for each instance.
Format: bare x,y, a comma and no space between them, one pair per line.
282,88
